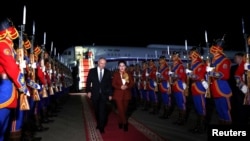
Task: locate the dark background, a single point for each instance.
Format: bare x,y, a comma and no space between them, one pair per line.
74,22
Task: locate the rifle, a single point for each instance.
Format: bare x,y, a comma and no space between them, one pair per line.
186,91
44,91
208,92
54,71
51,91
157,80
32,65
247,72
170,78
24,104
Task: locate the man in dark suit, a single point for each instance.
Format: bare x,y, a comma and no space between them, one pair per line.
240,112
99,89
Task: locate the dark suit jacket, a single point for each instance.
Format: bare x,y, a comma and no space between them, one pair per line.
93,85
238,96
117,83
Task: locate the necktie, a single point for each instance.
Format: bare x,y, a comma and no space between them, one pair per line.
100,75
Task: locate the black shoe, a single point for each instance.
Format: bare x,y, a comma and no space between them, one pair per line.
120,126
125,127
101,130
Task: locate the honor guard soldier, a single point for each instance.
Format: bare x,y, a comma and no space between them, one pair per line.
240,110
197,74
133,101
41,115
164,86
143,85
219,72
33,87
11,78
151,86
179,78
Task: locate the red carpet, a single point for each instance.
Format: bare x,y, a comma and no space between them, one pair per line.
113,133
136,130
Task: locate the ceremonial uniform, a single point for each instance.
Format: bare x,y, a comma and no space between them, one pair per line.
143,86
151,87
197,74
240,108
11,77
179,78
40,110
220,90
164,86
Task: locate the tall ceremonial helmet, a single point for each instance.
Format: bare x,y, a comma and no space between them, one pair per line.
162,59
151,63
194,53
7,28
176,56
37,50
218,46
26,41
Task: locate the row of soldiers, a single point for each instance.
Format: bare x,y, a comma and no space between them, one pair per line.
31,84
200,82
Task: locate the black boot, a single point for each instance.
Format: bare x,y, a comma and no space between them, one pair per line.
120,125
145,105
38,125
125,127
181,118
15,136
45,116
200,126
165,114
154,110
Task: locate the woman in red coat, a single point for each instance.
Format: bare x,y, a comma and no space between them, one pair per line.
122,82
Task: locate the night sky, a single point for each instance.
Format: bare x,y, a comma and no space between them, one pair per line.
77,23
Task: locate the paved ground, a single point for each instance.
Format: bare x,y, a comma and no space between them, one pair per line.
69,125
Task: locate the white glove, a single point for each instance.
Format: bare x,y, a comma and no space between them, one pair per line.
170,73
33,65
168,85
147,74
246,66
23,64
184,85
24,90
209,69
134,74
244,89
188,71
155,84
33,84
43,68
204,84
157,73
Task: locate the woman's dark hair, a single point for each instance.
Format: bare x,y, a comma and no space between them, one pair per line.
122,61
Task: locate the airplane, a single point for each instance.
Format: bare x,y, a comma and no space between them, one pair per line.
132,55
86,57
